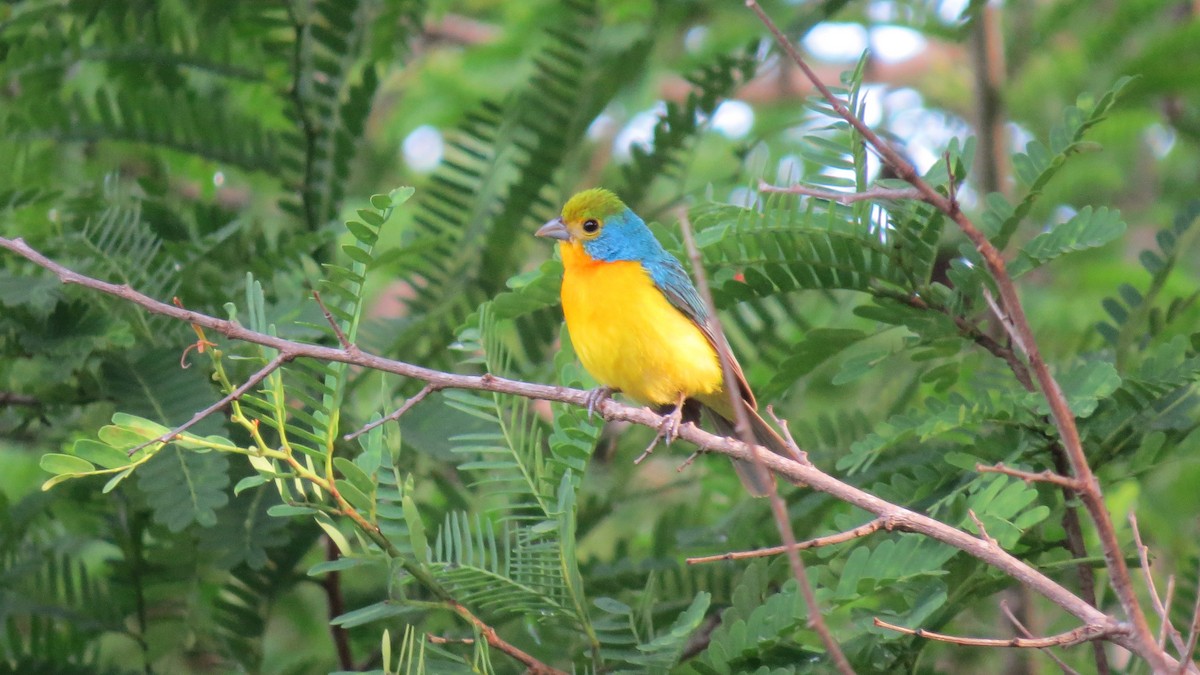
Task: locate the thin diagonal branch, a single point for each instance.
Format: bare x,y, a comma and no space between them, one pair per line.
535,667
1022,334
1046,476
874,194
1193,632
1163,610
1071,637
778,507
827,540
397,414
332,584
272,365
1068,670
337,329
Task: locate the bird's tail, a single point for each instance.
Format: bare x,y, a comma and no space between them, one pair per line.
755,478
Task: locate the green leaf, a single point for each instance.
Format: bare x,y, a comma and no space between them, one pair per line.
1086,229
1084,385
247,483
384,609
400,195
65,464
185,488
416,528
98,453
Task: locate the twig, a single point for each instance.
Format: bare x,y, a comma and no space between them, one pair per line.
1046,476
1078,548
439,640
534,666
987,52
1021,333
272,365
982,532
1193,632
792,446
688,462
398,413
742,419
1025,632
615,411
337,329
332,583
14,399
1165,626
972,332
1163,611
873,194
827,540
1071,637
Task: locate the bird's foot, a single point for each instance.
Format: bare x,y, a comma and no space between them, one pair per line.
672,422
597,396
668,429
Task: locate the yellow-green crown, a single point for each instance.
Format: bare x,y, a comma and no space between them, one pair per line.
594,203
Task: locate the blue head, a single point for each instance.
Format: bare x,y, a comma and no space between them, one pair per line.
604,227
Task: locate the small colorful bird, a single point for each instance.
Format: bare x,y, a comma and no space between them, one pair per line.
639,326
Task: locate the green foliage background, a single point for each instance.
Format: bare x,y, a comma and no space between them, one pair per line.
222,153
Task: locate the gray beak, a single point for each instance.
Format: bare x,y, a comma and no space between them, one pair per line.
554,229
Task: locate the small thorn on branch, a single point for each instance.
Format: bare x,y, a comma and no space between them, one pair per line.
398,413
1046,476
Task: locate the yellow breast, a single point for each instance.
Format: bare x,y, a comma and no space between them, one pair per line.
629,336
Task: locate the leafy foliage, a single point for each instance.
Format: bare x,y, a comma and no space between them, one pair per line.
210,153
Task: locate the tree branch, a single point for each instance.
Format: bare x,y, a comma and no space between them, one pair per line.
1072,637
611,410
1067,670
778,508
234,395
1163,610
874,194
332,584
1046,476
493,639
1022,334
827,540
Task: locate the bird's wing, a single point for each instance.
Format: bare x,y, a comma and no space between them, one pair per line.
670,278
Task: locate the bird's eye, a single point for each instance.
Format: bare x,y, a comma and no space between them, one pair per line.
590,226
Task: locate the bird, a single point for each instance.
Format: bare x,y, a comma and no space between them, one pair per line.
639,327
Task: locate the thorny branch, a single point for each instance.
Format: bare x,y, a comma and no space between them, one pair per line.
611,410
